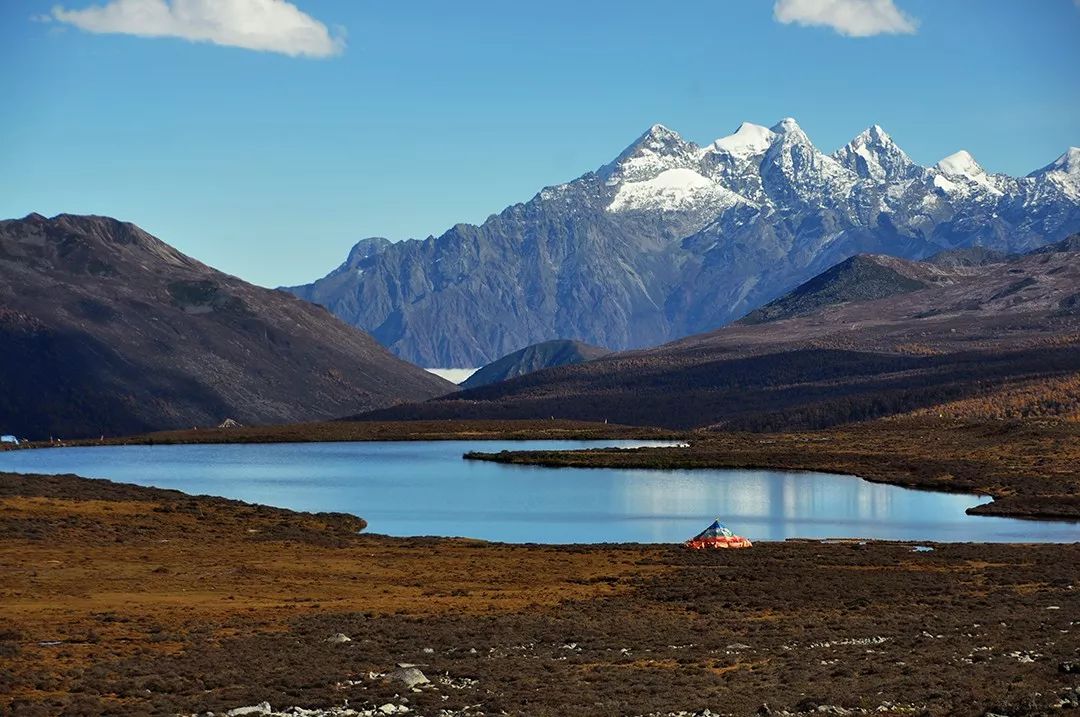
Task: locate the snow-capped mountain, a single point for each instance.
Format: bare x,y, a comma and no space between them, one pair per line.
672,238
874,155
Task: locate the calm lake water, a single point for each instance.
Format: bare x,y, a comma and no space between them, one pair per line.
425,488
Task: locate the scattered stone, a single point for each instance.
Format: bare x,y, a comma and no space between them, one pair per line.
1023,656
876,640
338,638
1070,698
263,708
809,704
1069,667
408,676
457,683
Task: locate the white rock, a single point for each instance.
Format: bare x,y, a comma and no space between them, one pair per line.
409,676
263,708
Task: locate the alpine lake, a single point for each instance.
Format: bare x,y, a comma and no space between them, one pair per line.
426,488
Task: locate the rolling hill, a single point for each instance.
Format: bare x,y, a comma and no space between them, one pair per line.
107,330
559,352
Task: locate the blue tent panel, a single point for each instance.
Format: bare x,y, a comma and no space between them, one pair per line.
716,530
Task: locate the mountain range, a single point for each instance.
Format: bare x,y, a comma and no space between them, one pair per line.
107,330
870,337
672,239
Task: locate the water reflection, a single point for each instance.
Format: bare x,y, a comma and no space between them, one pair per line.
776,505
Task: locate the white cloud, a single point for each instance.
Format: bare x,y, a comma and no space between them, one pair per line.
854,18
266,25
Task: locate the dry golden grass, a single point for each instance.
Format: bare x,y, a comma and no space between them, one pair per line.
126,600
1046,398
335,431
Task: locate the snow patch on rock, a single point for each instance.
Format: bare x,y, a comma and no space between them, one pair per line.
960,164
672,190
749,140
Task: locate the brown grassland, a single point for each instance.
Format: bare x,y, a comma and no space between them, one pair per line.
125,600
336,431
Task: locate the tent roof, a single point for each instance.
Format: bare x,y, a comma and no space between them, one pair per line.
716,530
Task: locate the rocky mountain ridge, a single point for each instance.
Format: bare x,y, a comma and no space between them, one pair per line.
672,239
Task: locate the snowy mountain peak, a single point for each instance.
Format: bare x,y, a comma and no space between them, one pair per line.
655,151
661,133
1064,172
658,139
788,124
1068,163
789,132
960,173
960,164
874,155
749,139
1071,160
873,134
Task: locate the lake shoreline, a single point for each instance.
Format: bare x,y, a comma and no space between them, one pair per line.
1031,469
128,600
344,431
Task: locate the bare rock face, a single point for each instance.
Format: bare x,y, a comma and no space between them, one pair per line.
873,336
672,239
107,330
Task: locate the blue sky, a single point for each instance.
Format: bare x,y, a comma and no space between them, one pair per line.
401,118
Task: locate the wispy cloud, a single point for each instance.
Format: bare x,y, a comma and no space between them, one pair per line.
265,25
854,18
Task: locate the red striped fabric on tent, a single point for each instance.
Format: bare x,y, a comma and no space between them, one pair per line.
717,536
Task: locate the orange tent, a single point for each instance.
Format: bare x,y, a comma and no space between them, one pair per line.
717,536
